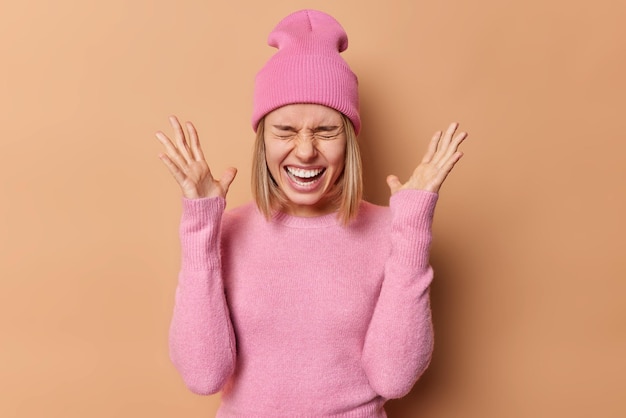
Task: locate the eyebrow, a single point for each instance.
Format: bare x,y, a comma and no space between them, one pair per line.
323,128
284,128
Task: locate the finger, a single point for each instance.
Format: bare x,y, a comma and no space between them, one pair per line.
450,132
432,147
394,183
176,172
227,178
171,149
444,151
443,173
196,149
445,141
452,149
181,141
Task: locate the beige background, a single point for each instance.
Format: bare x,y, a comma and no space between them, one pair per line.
529,295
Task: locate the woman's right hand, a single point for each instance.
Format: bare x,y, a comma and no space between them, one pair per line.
185,160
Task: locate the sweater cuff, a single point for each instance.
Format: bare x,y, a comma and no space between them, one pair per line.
412,217
200,233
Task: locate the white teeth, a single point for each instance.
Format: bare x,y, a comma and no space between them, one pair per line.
302,173
300,183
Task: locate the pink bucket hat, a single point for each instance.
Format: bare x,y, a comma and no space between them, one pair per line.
307,68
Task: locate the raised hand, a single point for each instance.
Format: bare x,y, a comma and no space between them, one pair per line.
185,160
440,158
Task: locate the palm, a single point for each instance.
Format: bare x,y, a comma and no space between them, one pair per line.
197,178
440,158
185,161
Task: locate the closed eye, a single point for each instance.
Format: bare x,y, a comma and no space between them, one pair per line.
328,132
327,136
284,131
321,132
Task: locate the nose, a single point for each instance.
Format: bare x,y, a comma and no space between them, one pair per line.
305,149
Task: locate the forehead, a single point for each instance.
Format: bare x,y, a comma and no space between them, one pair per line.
304,115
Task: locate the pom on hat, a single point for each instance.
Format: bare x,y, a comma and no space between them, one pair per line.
307,68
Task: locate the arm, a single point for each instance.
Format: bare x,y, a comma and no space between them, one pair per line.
202,341
399,342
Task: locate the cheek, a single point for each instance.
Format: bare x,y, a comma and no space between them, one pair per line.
336,157
273,167
272,155
275,154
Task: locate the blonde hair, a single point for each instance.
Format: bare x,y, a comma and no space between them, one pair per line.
346,194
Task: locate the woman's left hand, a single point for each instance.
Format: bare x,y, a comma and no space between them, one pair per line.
439,160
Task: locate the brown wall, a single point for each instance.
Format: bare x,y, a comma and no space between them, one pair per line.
528,299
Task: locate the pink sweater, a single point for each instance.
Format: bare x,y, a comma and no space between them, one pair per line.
302,317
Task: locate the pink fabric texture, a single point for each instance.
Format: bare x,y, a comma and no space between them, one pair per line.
307,68
304,317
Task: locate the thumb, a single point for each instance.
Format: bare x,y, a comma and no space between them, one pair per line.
227,178
394,183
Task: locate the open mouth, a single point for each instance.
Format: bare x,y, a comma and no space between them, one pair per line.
304,177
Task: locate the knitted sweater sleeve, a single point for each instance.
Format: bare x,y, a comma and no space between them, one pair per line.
201,338
399,341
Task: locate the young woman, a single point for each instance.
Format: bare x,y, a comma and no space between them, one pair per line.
309,301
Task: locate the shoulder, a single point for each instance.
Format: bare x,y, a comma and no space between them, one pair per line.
245,212
405,207
371,216
241,219
371,211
